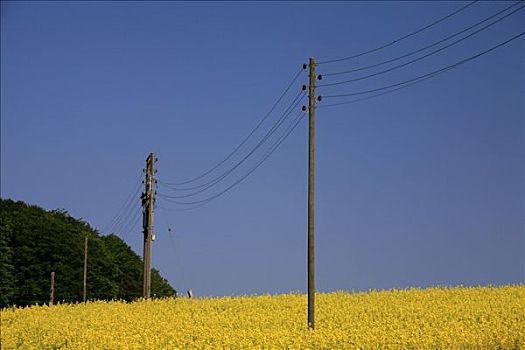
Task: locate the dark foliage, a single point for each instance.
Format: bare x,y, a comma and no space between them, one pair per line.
34,242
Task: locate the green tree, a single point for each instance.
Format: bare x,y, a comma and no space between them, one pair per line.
35,242
7,278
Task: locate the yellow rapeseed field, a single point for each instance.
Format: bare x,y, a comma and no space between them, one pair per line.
436,318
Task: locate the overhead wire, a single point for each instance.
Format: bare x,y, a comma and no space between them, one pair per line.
423,48
433,73
276,145
391,88
125,218
131,223
298,98
243,142
381,47
425,56
379,94
292,105
125,206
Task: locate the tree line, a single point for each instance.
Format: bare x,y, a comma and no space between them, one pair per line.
34,242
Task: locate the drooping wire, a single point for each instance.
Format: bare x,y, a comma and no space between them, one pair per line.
381,93
133,205
123,211
187,208
431,73
381,47
286,112
276,145
278,123
423,48
422,57
294,79
126,229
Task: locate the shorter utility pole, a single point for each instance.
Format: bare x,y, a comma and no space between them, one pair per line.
85,268
52,296
148,201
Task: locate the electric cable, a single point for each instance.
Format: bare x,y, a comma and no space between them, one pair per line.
131,223
292,105
401,38
381,93
423,48
126,214
281,120
422,57
431,73
125,206
294,79
276,145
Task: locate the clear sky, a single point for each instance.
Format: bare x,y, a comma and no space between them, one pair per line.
423,186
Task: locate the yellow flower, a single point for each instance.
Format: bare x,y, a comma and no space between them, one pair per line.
436,318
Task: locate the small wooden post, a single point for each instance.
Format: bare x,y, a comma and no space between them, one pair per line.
52,296
85,269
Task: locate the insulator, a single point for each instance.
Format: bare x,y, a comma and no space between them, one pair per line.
304,66
319,77
319,98
304,87
304,108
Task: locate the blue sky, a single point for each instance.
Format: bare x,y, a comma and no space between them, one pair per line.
423,186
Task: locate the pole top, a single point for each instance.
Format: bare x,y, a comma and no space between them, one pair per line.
151,157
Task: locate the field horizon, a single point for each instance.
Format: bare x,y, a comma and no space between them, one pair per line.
490,317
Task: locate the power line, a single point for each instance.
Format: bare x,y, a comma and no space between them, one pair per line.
186,208
379,94
125,206
289,130
422,57
131,224
128,212
279,122
423,48
203,201
286,112
294,79
401,38
431,73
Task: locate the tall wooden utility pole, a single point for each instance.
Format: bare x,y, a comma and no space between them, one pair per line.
311,173
148,200
85,268
52,289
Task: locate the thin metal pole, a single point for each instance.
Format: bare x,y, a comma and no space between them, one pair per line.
311,192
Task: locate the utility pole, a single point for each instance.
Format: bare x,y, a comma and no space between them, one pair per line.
85,268
52,296
148,201
311,173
